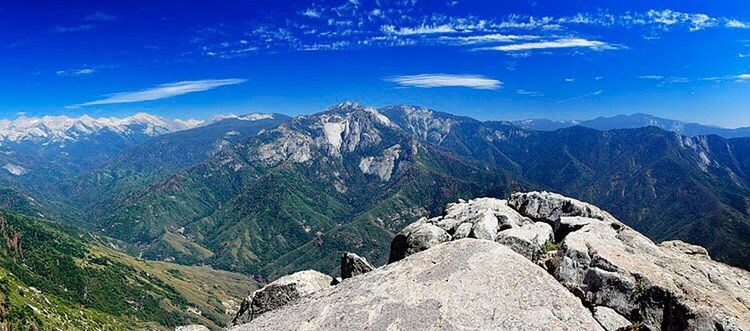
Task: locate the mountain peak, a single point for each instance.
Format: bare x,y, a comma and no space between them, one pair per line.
55,129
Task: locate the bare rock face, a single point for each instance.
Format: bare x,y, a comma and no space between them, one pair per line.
672,286
354,265
284,291
467,284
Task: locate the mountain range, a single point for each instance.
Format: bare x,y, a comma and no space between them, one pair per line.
265,194
636,121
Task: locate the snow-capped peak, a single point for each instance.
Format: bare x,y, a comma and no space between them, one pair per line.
246,117
53,129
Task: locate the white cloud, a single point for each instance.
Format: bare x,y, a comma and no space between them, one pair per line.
100,16
163,91
742,77
555,44
742,56
446,80
570,80
665,79
737,24
529,93
76,28
423,29
76,72
669,17
587,95
489,38
311,12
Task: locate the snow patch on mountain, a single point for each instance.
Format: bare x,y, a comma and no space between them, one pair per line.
58,129
247,117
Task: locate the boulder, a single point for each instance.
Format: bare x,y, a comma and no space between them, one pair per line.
463,231
485,226
416,238
527,240
283,291
610,319
354,265
466,284
550,207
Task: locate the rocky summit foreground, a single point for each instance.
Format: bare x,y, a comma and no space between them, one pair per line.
537,261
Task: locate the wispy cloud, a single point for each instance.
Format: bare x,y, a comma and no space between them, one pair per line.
446,80
162,91
555,44
488,38
740,78
100,16
583,96
529,93
423,29
76,72
89,22
311,12
742,55
665,79
74,28
407,22
737,24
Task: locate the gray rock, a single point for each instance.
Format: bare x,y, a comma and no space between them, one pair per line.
527,240
467,284
416,238
463,231
608,264
354,265
610,319
485,226
194,327
550,207
685,248
283,291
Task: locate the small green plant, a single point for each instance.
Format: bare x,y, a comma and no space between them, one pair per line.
550,246
640,287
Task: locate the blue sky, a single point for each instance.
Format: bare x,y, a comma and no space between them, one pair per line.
687,60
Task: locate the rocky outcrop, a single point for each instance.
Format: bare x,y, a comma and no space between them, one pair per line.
467,284
479,219
354,265
284,291
536,261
